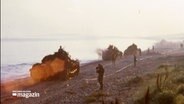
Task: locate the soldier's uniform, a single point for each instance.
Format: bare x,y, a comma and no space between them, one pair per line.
100,71
135,60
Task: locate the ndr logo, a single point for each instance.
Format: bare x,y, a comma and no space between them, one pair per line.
25,94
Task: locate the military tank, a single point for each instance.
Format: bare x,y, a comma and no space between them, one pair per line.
132,50
55,66
111,52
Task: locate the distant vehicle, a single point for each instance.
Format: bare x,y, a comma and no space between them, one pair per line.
55,66
111,53
132,50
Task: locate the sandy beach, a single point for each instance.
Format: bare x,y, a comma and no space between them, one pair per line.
117,82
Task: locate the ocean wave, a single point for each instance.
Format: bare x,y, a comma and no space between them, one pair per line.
12,72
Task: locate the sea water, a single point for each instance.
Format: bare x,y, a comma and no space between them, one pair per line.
18,55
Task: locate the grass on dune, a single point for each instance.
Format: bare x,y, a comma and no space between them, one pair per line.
165,86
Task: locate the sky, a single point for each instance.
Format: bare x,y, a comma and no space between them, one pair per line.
92,18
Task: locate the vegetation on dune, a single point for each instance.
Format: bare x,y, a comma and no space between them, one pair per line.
165,87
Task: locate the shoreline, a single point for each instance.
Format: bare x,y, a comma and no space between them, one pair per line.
26,76
14,78
22,81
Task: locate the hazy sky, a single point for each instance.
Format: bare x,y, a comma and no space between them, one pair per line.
128,18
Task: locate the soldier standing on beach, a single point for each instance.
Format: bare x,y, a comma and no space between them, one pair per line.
135,60
100,71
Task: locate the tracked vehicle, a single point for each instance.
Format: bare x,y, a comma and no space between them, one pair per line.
55,66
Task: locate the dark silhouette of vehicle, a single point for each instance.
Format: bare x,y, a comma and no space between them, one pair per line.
55,66
132,50
111,53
